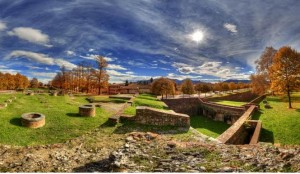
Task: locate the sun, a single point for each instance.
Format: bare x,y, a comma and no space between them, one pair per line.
197,36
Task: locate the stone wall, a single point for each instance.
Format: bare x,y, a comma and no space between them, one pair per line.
151,116
237,133
257,100
218,112
240,97
198,106
189,106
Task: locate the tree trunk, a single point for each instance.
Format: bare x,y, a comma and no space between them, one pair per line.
289,97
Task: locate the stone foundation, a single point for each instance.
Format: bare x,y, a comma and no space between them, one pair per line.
197,106
238,133
151,116
87,111
33,120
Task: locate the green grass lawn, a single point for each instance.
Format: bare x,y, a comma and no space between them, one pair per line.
280,124
62,119
107,99
230,103
208,126
145,100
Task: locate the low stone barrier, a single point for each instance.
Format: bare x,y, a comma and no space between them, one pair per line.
151,116
256,125
189,106
258,99
237,134
33,120
87,111
199,106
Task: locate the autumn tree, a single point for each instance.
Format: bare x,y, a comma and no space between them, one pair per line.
202,88
259,83
232,86
163,86
265,60
261,80
101,73
198,88
284,71
10,81
187,87
224,86
34,83
217,87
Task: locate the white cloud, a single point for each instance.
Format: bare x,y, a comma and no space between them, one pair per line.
37,57
10,71
40,58
33,67
215,69
129,72
31,35
230,27
116,73
119,77
2,26
116,67
182,77
91,50
135,63
43,74
93,56
61,62
70,53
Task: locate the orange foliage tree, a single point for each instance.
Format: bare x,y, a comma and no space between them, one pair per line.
285,70
260,81
187,87
83,78
163,86
11,82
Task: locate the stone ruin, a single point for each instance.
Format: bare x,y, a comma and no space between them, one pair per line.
88,110
243,130
33,120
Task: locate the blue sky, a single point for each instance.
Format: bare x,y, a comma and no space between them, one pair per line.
207,40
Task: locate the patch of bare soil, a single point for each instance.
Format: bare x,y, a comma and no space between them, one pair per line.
112,107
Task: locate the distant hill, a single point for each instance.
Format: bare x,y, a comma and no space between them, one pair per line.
237,81
181,81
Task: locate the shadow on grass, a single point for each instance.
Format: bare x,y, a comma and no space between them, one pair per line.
257,115
108,123
130,126
16,121
266,136
98,166
74,115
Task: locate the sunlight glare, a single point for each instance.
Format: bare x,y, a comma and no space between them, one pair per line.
197,36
